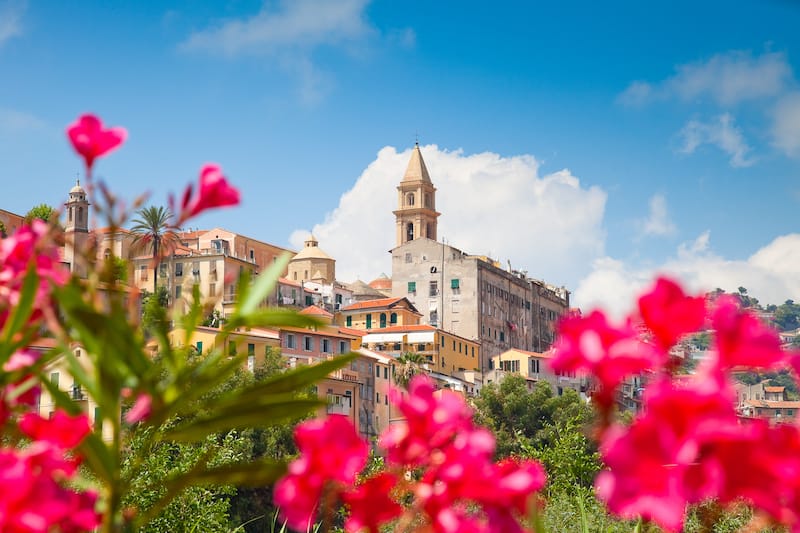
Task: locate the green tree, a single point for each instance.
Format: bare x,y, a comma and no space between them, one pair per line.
44,212
152,231
3,233
406,367
154,310
787,316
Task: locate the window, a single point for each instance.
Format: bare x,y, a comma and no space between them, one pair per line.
509,366
251,363
383,320
502,336
393,318
54,378
290,341
434,288
231,348
162,270
473,351
178,270
377,397
410,231
343,347
251,349
386,399
199,346
377,371
459,347
397,347
252,255
412,287
442,341
309,300
454,284
420,347
408,257
454,345
196,271
178,290
212,289
434,319
369,320
410,198
442,360
307,345
327,347
386,373
534,366
348,321
143,273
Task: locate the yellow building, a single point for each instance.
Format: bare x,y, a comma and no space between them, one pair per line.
445,353
534,367
255,342
57,371
378,314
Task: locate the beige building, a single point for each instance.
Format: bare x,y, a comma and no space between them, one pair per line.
534,367
380,313
468,295
312,264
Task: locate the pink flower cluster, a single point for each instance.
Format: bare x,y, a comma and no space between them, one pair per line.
30,248
688,444
458,489
33,480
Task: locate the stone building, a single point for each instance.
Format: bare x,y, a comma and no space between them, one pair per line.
468,295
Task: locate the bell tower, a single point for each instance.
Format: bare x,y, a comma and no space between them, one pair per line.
76,230
416,202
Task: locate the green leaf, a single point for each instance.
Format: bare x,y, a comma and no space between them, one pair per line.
250,474
244,415
298,379
21,312
261,287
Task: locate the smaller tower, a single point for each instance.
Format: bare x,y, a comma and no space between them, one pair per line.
76,230
416,214
77,209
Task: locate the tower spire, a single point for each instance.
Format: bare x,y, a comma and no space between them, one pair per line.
416,207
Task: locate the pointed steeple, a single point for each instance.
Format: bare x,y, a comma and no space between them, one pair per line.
416,170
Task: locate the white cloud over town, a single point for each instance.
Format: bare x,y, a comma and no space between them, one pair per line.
786,124
11,12
770,274
550,225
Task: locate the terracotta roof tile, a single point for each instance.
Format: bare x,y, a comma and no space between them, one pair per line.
313,310
370,304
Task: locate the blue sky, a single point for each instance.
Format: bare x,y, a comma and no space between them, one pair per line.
599,142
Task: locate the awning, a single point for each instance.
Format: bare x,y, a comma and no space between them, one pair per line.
383,337
421,336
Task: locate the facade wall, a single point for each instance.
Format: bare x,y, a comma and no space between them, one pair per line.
473,298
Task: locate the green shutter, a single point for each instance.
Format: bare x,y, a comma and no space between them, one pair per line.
200,347
348,321
412,286
453,283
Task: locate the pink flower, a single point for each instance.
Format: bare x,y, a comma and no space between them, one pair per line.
669,313
433,418
91,140
213,191
20,360
590,344
742,339
371,505
330,451
62,430
140,410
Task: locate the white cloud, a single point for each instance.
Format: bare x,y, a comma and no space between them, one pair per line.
770,274
11,12
786,124
720,132
549,225
302,24
12,121
658,221
727,78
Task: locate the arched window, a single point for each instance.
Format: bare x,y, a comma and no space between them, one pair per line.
107,254
80,214
429,231
393,318
410,198
428,200
383,320
70,214
410,231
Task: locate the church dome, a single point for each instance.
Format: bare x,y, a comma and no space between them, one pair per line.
77,189
311,250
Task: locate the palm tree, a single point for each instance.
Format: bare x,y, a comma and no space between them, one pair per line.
407,366
152,230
